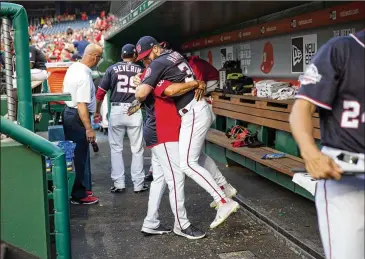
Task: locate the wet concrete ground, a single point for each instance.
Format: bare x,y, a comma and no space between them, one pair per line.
111,229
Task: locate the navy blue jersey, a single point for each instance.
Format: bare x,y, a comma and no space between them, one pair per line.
119,79
173,67
335,83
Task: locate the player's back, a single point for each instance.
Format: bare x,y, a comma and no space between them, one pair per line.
121,81
349,105
176,69
335,82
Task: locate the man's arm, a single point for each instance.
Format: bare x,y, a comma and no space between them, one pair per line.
143,91
103,88
319,86
83,97
177,89
302,127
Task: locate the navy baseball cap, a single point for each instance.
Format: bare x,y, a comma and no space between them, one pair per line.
128,50
144,46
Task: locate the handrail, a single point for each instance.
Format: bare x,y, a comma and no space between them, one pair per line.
21,44
60,194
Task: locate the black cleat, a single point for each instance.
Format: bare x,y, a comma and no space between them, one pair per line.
161,230
148,177
114,189
144,188
190,232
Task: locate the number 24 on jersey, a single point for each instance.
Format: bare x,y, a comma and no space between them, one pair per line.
351,115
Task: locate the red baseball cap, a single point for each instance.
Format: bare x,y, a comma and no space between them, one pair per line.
268,58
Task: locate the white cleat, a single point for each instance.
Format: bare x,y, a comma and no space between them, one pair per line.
224,211
229,191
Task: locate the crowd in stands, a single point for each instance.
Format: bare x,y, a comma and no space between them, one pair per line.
67,43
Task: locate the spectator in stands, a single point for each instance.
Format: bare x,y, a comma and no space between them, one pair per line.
69,31
81,45
37,63
77,125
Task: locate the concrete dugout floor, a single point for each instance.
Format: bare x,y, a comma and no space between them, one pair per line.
111,229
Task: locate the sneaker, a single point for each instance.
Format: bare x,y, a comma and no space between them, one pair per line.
224,211
190,232
89,193
116,190
144,188
86,201
229,191
149,177
161,230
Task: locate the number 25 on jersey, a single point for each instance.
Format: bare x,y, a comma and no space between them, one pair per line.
125,84
351,115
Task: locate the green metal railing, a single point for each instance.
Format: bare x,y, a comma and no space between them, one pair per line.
60,182
19,18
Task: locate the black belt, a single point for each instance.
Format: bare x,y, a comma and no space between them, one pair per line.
350,159
117,103
75,109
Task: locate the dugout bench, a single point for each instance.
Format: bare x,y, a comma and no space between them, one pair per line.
270,118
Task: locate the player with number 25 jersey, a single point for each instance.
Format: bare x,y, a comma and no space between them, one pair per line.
118,79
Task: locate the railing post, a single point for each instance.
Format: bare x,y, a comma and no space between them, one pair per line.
6,24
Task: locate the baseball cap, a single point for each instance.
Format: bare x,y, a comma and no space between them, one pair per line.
268,58
144,46
128,50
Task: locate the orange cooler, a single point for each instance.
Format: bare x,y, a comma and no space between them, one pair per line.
56,74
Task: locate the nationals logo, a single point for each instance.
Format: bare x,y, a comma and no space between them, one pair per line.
139,48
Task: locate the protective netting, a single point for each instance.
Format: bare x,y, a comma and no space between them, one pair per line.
122,8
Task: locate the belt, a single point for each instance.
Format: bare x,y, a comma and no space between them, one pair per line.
75,109
120,104
348,161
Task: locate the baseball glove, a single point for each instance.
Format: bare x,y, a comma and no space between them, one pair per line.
135,106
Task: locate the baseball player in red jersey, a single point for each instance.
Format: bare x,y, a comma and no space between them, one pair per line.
196,118
335,83
204,71
161,133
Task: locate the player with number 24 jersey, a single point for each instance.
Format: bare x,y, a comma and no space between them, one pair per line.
338,92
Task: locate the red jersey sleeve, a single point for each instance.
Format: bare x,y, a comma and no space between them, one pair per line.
160,88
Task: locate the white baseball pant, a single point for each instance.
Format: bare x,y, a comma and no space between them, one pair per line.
166,171
119,124
340,209
195,124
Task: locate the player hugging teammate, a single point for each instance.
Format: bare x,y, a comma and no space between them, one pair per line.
176,125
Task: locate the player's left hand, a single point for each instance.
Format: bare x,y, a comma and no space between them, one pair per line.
137,80
200,90
320,166
135,106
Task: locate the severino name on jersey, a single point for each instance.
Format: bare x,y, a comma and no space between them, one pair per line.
118,79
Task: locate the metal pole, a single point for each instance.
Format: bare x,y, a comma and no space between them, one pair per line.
6,25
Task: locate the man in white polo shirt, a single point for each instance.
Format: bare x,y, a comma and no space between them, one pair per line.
76,117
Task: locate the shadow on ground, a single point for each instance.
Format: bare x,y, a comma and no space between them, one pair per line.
111,229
